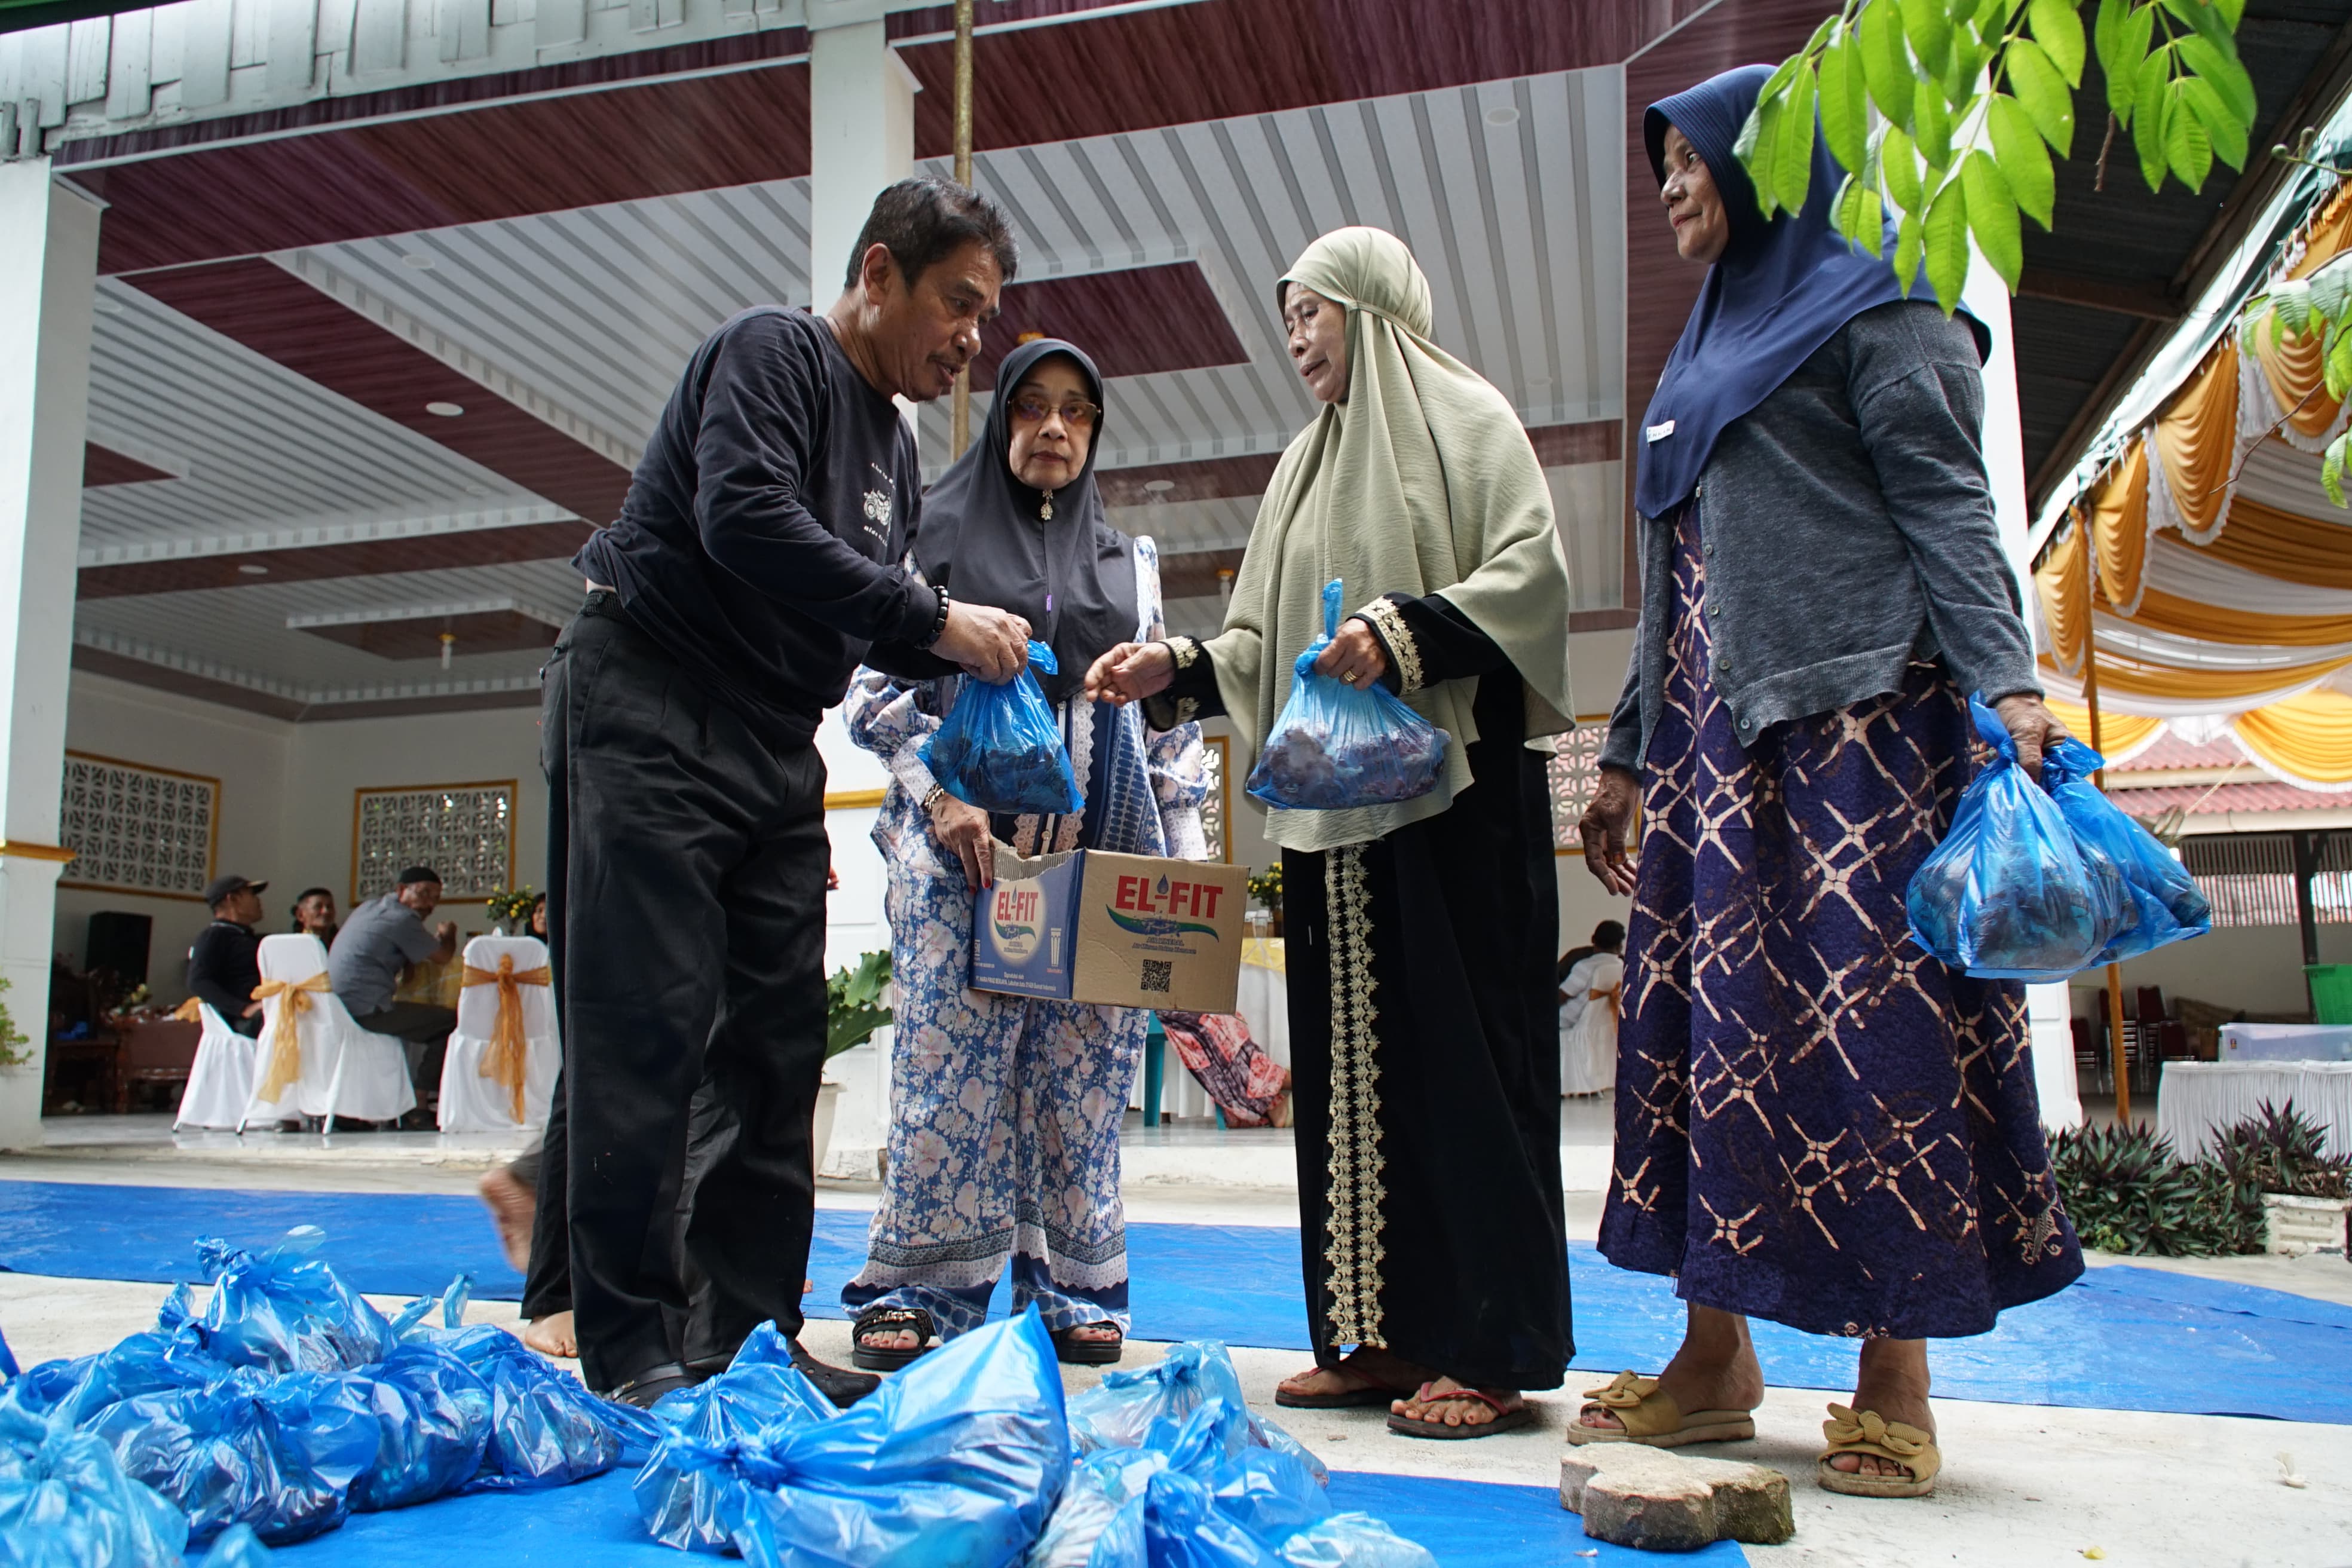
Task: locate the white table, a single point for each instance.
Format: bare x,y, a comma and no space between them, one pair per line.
2195,1100
2286,1043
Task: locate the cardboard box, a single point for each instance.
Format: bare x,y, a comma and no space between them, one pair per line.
1133,931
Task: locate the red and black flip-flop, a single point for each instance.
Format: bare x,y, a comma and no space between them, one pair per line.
1506,1420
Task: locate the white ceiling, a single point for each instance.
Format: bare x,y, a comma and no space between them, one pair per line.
1511,193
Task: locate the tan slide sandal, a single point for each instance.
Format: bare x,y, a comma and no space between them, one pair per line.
1867,1431
1654,1419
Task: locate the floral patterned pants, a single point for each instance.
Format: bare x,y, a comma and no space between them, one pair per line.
1004,1123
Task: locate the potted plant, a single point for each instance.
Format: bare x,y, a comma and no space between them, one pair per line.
854,1009
1265,888
2279,1158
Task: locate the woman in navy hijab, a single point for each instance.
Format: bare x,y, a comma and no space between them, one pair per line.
1817,1122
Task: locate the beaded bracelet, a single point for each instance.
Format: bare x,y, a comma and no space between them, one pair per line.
939,620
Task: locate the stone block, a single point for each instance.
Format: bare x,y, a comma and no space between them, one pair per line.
1661,1500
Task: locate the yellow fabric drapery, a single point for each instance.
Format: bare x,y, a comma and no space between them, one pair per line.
2119,529
2197,437
2121,735
285,1043
2329,234
2284,545
2172,683
2306,738
2296,369
2061,583
2163,612
509,1044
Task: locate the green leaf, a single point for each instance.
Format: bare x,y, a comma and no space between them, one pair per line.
2219,64
2230,12
2024,160
2151,97
2107,35
1948,244
1898,166
2058,28
1930,28
2330,292
2228,137
2188,150
1992,217
1886,64
1909,238
1777,82
2331,468
2291,301
1965,70
1933,127
2043,91
1754,151
2131,47
1845,102
2340,366
1792,157
1861,217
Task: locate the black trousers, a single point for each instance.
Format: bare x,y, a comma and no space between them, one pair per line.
692,909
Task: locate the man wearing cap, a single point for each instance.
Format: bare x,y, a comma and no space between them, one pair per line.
222,968
382,937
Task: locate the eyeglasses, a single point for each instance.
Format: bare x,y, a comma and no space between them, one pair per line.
1077,414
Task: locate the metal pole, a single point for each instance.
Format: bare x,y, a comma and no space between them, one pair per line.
2307,850
961,436
2119,1061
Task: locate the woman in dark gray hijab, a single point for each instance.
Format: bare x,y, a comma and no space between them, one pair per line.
1004,1110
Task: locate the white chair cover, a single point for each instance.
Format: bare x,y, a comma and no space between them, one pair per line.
221,1082
471,1102
346,1072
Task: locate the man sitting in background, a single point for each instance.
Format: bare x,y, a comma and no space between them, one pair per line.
382,939
314,915
224,968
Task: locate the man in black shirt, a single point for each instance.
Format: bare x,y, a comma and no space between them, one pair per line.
755,564
225,966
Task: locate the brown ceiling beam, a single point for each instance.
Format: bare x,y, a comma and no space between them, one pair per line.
2148,300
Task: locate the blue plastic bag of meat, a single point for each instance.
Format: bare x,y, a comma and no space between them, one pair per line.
1000,750
172,1355
2166,904
284,1310
1119,1411
956,1460
2008,895
1334,746
683,1497
278,1451
65,1503
434,1416
546,1428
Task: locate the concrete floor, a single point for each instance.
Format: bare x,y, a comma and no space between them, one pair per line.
2023,1485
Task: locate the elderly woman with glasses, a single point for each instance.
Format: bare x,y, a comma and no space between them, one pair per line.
1004,1110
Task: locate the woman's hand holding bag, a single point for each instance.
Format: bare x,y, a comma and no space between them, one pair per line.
1335,745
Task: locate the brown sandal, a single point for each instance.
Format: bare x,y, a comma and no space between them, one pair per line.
1506,1420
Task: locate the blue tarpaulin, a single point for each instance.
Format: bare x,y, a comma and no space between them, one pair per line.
2123,1339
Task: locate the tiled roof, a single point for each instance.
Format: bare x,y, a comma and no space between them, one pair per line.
2170,751
2212,800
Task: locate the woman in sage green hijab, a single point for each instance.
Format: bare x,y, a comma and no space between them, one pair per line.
1424,1049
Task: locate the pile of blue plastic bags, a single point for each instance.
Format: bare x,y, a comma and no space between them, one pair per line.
285,1405
290,1403
970,1457
2037,882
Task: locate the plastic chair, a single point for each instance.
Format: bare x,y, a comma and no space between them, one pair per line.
220,1082
344,1069
503,974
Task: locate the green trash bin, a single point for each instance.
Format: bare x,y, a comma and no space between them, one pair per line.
2331,992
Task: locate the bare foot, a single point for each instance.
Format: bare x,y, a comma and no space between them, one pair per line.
1459,1409
1097,1333
1715,1369
514,1206
1360,1368
552,1336
1893,1382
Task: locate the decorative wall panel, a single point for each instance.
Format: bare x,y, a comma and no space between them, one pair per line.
139,829
1575,772
464,831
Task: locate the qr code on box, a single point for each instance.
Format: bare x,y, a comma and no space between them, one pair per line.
1156,976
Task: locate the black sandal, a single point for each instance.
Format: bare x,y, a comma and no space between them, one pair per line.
1072,1351
874,1320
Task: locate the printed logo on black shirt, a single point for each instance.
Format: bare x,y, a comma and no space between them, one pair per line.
879,504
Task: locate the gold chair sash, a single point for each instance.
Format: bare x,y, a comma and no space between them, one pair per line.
285,1045
1616,995
503,1062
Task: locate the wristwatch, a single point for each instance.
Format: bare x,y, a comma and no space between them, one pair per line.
931,797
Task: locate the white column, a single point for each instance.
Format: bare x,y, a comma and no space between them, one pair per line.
861,131
48,278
